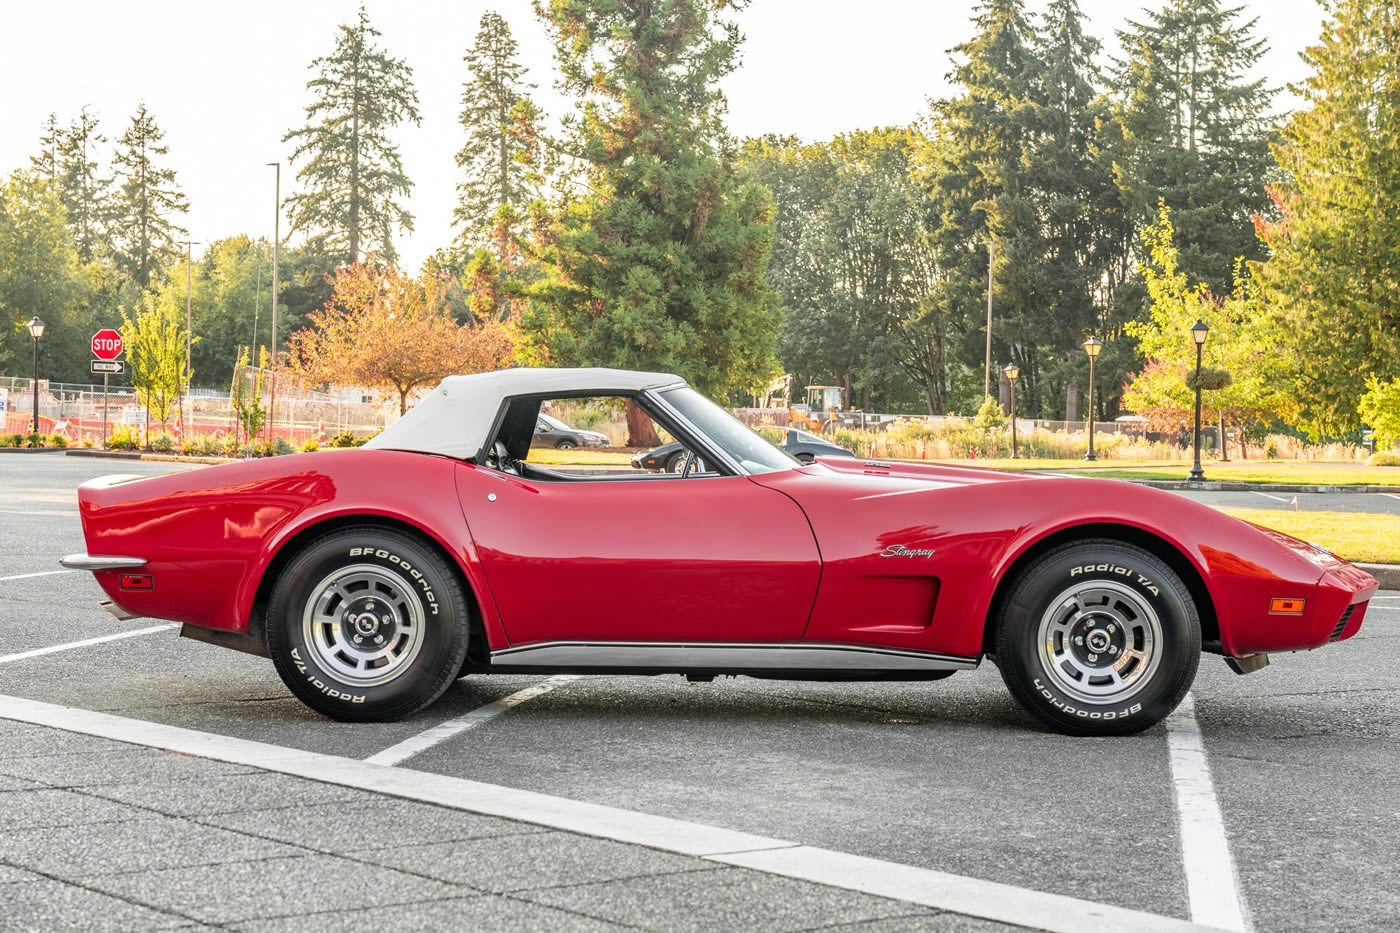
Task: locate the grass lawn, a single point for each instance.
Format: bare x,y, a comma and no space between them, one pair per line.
1302,472
581,455
1359,536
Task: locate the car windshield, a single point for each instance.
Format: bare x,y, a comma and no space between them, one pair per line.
729,433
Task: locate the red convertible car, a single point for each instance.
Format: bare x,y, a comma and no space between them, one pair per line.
375,577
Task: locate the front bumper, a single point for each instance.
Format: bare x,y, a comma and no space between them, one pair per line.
94,563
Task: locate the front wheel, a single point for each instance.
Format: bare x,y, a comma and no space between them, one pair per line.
565,445
1098,638
368,624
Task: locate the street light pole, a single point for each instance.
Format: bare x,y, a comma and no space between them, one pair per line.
1092,346
36,330
1012,374
1198,334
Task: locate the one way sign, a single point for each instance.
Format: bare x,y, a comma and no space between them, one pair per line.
109,367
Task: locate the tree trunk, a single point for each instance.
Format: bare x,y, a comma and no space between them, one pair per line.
1244,451
1224,446
640,430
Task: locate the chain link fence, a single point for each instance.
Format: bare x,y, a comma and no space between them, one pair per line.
76,412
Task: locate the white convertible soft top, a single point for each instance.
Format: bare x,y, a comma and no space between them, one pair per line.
457,416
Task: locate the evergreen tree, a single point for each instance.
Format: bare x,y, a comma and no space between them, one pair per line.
502,153
1334,276
142,230
1076,200
353,176
661,263
978,189
85,193
1194,131
46,162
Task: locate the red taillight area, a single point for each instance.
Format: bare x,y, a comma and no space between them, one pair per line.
137,581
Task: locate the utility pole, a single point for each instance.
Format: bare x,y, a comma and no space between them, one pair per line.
189,284
276,253
991,261
276,244
189,331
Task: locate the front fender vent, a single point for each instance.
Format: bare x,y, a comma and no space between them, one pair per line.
1341,625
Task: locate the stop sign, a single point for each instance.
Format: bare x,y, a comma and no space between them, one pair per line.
107,344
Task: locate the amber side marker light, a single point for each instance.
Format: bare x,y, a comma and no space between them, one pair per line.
1286,607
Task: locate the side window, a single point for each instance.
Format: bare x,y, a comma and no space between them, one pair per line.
606,437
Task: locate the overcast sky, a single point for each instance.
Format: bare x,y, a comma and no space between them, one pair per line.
226,81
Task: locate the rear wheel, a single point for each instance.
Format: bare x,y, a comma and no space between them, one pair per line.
368,624
1099,638
565,445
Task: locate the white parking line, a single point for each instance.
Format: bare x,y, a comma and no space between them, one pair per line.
6,659
1212,884
423,741
42,573
1268,496
971,896
1390,494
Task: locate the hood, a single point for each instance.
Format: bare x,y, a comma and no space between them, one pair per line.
880,474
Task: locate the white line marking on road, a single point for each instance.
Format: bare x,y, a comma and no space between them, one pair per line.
1269,496
6,659
971,896
1212,884
425,740
42,573
1390,494
38,511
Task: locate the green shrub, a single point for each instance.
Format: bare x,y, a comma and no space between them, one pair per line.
281,447
341,439
34,440
202,445
230,447
11,440
162,443
122,439
1384,458
361,441
990,415
310,446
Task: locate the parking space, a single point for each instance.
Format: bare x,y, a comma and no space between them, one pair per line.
952,775
1379,502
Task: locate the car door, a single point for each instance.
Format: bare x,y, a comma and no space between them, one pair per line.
655,558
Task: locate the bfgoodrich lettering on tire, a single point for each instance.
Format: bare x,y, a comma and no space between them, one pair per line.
1098,638
368,624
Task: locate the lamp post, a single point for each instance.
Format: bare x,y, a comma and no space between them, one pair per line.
1198,334
1092,346
1012,374
36,330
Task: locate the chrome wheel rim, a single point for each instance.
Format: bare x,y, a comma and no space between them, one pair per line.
364,624
1100,642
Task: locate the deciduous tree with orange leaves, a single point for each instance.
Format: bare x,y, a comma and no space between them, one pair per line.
386,330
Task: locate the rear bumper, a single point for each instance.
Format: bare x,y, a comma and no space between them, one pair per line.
103,562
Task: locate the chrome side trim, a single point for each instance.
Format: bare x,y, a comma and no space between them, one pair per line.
90,562
725,656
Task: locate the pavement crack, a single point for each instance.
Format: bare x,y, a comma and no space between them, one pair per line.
134,902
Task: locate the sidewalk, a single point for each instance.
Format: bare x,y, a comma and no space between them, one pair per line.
102,835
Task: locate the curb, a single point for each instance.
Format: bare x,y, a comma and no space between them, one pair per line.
1387,574
155,458
32,450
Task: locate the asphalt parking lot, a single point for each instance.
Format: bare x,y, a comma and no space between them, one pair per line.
952,776
1378,502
